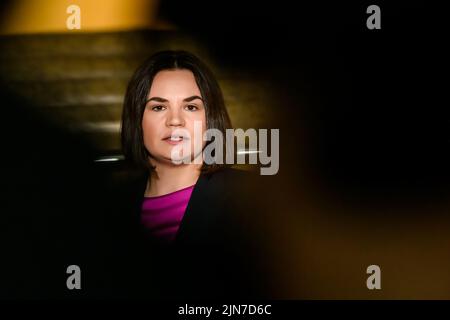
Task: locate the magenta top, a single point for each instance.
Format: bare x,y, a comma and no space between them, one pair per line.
162,215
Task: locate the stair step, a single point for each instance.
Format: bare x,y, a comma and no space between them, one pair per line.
92,44
79,80
69,68
72,92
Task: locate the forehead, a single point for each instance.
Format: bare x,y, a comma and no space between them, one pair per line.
173,84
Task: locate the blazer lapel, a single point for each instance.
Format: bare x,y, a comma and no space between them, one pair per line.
202,209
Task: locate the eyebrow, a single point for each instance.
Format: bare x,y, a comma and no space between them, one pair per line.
188,99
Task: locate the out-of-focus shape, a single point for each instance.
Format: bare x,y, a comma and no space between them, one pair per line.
49,16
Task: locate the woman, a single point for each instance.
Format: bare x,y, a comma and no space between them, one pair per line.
172,90
187,212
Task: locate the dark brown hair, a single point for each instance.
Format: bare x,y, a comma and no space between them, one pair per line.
136,95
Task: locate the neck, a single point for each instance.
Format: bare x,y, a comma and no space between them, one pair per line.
167,178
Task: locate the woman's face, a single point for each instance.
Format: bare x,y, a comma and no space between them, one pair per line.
174,102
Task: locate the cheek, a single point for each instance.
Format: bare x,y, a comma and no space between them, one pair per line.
191,122
203,142
149,128
202,117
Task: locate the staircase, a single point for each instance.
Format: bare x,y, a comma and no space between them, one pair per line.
77,81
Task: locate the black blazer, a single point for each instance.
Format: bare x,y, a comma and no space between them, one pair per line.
55,213
97,227
213,256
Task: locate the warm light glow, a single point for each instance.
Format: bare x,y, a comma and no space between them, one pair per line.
49,16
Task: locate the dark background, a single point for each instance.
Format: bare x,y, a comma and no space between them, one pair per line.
374,115
364,129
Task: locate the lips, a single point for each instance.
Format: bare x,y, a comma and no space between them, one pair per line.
175,139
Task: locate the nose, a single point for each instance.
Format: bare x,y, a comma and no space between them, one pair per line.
174,119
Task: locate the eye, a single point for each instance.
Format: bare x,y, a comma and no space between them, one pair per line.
158,108
191,107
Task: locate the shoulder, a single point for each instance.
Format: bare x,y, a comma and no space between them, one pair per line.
229,183
229,180
125,188
130,180
230,175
